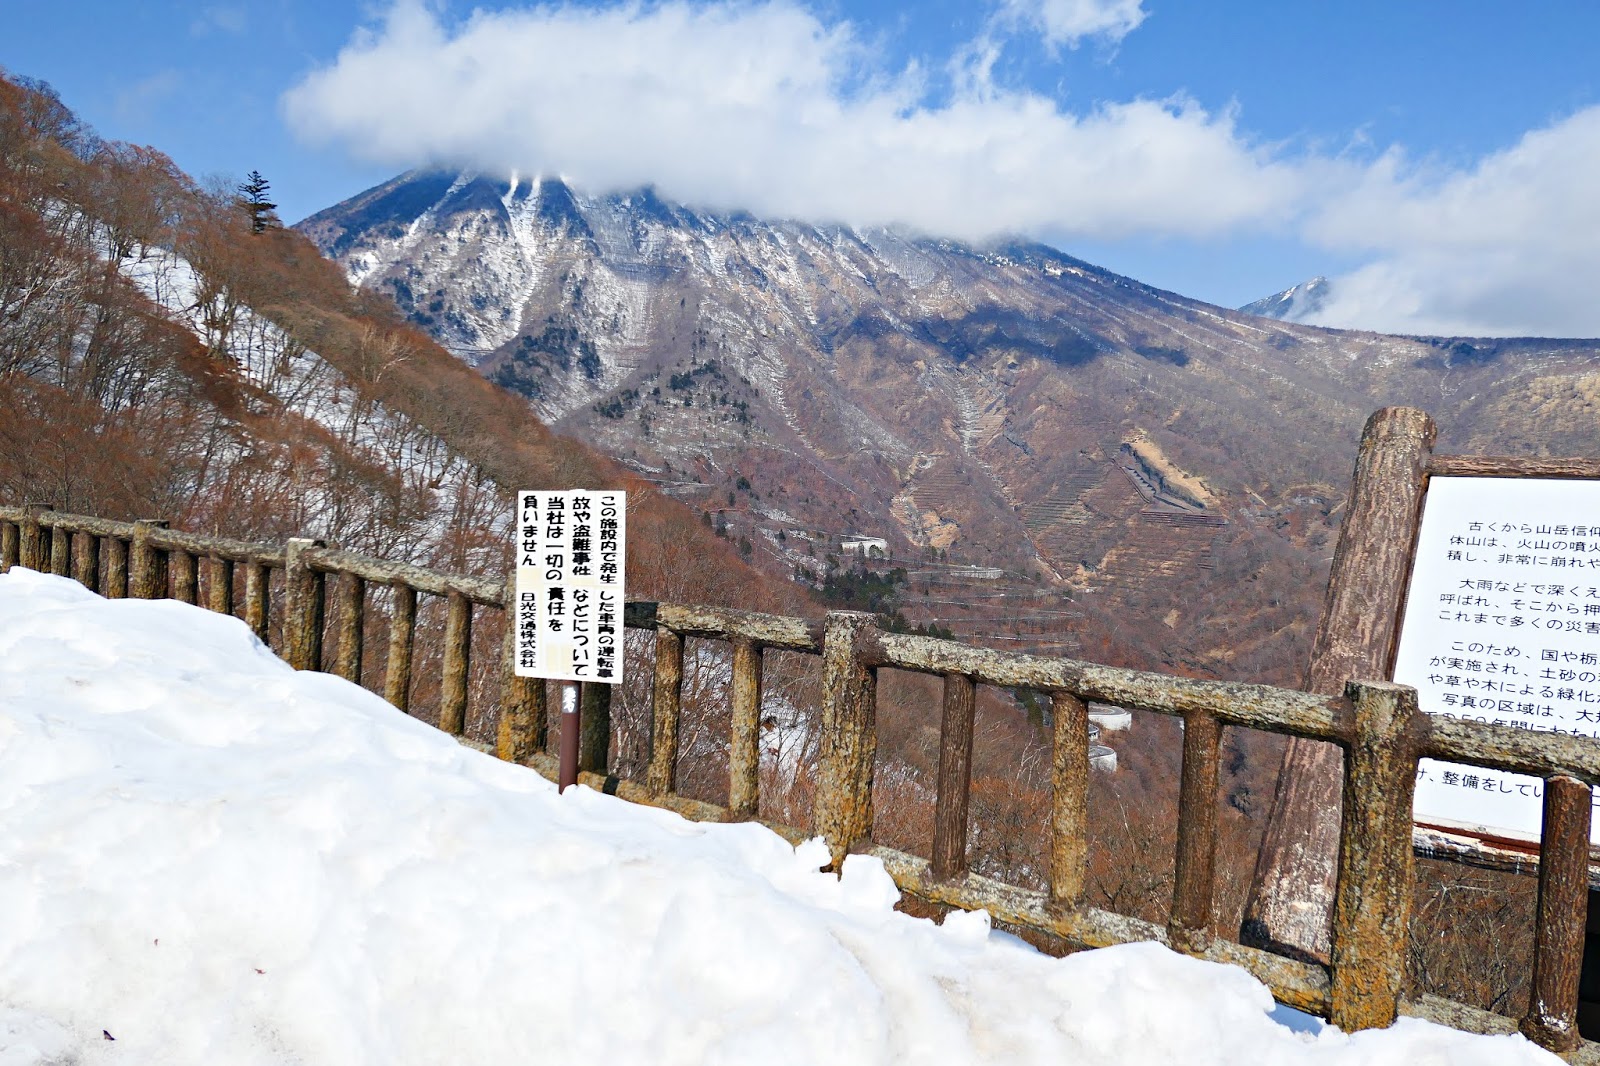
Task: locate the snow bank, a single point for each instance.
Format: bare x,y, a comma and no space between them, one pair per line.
208,858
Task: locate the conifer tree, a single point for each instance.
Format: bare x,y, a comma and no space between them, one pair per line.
253,198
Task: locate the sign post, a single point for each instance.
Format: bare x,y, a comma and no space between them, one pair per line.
571,552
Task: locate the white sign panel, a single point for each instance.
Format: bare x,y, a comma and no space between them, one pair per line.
1502,625
570,551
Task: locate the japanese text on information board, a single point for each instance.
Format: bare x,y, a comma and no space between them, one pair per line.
571,547
1502,625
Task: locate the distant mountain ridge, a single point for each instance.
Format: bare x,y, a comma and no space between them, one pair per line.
800,384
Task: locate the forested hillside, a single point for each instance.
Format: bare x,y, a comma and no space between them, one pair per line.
161,356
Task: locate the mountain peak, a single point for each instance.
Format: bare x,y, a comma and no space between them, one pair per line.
1294,304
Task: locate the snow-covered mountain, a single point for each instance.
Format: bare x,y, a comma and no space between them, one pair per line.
1297,303
1007,407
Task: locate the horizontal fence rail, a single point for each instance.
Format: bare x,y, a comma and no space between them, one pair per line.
288,590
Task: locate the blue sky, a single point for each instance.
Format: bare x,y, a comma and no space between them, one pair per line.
1436,159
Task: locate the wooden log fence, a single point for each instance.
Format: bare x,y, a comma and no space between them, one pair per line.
1377,726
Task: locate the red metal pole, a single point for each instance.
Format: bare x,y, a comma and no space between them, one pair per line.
570,721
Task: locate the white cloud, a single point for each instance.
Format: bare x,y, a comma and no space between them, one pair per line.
1504,247
1070,21
768,108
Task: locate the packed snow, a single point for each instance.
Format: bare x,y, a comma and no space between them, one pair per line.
210,858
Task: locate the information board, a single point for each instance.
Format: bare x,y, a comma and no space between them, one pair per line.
1502,625
571,551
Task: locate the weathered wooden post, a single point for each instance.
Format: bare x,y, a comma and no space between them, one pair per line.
594,727
666,704
1069,802
457,659
1293,887
86,560
147,564
402,637
1194,874
350,609
949,858
115,549
1552,1018
60,549
1372,903
30,542
10,546
842,812
257,595
302,606
521,731
744,753
185,576
219,585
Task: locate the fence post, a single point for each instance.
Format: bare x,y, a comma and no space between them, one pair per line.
10,546
257,597
1372,900
86,561
594,726
1552,1018
219,587
666,702
115,549
955,777
402,638
60,549
30,542
457,659
147,564
520,734
842,813
1194,871
1069,802
350,594
302,606
744,753
185,570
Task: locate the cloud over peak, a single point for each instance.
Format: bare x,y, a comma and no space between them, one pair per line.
767,107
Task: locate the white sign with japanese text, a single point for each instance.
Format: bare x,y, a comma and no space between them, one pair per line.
571,547
1502,625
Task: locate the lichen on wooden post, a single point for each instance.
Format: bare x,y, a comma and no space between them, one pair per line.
219,584
519,735
1552,1018
955,777
60,550
1189,928
1372,900
744,751
1069,802
86,560
185,576
666,697
842,811
10,546
147,564
350,596
402,638
594,733
30,537
257,599
302,606
457,660
115,550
